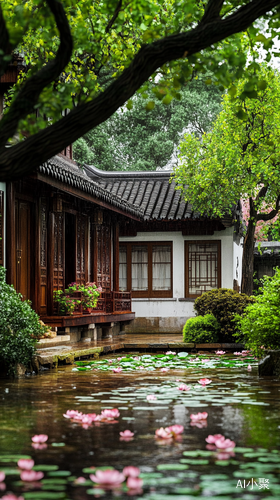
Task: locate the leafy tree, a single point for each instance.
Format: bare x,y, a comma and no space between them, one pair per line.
137,140
239,158
259,327
91,57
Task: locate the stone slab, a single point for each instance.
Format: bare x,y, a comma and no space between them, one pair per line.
208,346
180,345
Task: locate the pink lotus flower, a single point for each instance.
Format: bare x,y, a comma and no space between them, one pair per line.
136,357
31,475
80,480
164,369
195,417
134,483
170,352
110,360
151,397
163,433
11,496
118,369
220,352
169,432
238,353
175,430
183,387
110,414
225,444
141,367
127,434
72,414
178,380
119,359
2,476
40,438
249,368
205,360
25,463
108,478
212,438
204,381
131,471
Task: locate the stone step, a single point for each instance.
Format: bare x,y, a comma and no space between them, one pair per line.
54,341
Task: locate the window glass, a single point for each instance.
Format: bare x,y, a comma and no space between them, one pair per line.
123,269
161,271
203,267
139,267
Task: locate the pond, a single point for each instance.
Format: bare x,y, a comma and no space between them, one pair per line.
175,465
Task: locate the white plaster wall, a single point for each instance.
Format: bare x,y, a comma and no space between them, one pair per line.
178,306
3,188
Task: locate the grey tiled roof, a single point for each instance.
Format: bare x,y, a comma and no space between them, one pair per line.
66,171
150,191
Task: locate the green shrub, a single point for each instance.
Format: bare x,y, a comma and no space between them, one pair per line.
224,304
201,329
19,326
260,325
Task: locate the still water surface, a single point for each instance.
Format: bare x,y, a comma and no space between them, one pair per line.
240,406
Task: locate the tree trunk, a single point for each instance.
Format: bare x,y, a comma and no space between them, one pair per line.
248,258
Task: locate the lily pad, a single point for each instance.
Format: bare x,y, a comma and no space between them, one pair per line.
172,467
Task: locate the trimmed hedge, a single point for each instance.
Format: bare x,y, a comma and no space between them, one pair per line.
201,329
20,326
224,304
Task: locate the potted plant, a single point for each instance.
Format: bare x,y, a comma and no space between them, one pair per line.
77,297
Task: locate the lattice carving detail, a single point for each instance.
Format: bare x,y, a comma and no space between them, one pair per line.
104,256
82,224
58,273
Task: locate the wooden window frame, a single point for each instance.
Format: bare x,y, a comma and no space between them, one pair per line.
190,242
150,293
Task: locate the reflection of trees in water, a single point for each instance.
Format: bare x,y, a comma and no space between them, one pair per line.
261,426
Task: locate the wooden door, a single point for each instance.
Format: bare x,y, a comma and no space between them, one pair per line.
23,248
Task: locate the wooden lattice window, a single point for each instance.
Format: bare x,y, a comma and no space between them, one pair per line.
1,228
202,267
145,269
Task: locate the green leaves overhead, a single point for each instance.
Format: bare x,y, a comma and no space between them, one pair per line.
241,154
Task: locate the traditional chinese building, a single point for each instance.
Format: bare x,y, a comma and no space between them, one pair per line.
173,254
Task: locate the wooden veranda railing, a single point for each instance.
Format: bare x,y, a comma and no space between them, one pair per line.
113,302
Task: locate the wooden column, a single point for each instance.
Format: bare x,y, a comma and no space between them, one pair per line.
50,264
10,233
116,231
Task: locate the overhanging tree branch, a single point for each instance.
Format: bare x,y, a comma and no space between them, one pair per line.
29,95
272,213
24,157
114,17
212,11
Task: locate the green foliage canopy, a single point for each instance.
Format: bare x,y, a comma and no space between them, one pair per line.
137,140
239,158
92,57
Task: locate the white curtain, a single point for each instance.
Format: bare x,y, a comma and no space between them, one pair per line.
139,268
123,269
161,267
